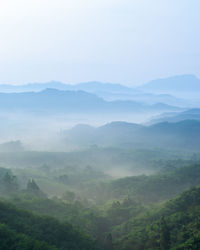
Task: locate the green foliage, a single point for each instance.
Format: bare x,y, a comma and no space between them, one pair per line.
11,240
164,235
34,189
39,228
120,214
8,182
175,226
88,219
69,196
158,187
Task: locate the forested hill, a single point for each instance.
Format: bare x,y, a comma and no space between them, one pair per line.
157,187
20,229
174,226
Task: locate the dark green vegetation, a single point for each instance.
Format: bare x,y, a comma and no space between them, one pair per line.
174,225
71,200
24,230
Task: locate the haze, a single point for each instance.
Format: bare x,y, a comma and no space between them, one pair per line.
113,41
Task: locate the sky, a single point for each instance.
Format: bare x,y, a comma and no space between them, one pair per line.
119,41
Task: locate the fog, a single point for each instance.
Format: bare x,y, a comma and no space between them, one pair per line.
42,132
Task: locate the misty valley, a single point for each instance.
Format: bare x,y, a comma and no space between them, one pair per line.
100,166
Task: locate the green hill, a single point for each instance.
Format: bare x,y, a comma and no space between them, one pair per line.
20,229
174,226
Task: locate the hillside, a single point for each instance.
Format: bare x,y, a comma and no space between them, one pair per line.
183,134
173,226
20,229
131,210
157,187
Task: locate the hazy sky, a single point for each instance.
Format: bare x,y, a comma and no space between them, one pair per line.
127,41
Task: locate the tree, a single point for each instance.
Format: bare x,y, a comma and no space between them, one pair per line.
108,242
164,235
33,188
69,196
10,182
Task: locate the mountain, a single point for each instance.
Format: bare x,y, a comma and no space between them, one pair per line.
191,114
176,84
149,93
31,116
8,88
191,127
96,87
92,87
52,100
184,134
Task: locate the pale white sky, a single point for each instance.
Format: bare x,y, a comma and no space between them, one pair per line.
127,41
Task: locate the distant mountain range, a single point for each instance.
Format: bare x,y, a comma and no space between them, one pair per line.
172,91
57,101
175,84
91,87
179,83
184,134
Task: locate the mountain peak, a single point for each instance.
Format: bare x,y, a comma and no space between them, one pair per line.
174,84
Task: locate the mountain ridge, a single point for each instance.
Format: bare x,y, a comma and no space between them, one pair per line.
72,101
183,134
173,84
